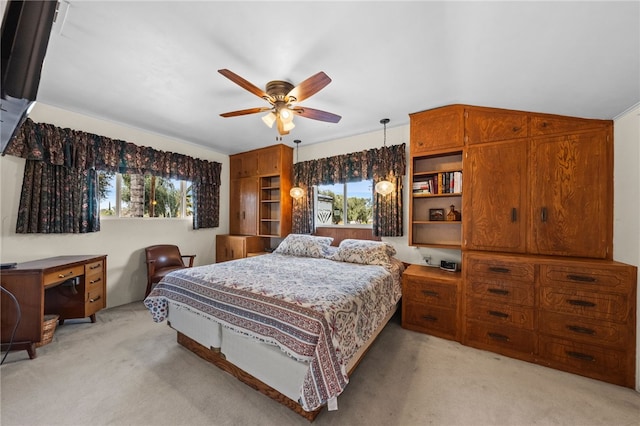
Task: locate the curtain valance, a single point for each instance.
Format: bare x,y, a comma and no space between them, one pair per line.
84,151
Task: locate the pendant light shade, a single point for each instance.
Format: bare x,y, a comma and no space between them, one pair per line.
384,187
296,192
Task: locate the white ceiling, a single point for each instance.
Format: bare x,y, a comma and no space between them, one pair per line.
153,65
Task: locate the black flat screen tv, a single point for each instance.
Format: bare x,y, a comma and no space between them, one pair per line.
26,27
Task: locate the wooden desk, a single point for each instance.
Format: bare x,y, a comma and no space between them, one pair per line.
68,286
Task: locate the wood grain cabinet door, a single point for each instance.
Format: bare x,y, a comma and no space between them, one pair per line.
571,195
495,197
243,215
437,129
492,125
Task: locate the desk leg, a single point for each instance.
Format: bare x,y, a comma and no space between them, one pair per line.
93,317
31,350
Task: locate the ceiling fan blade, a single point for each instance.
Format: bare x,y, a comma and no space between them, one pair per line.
316,114
244,83
310,86
245,112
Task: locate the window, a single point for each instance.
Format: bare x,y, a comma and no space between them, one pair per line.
131,195
353,201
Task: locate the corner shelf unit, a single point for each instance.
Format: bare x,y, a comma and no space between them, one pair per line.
270,202
436,185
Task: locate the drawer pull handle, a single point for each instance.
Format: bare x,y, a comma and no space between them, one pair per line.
95,281
498,336
498,314
580,356
514,215
581,303
96,266
543,214
581,278
430,293
499,269
516,129
95,299
429,318
581,330
65,275
499,291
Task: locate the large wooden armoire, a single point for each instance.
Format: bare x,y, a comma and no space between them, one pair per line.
260,204
535,226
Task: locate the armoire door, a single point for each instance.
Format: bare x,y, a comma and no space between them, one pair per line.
243,208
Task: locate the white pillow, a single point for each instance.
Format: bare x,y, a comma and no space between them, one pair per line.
365,252
304,245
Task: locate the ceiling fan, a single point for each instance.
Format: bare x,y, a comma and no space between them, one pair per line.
283,97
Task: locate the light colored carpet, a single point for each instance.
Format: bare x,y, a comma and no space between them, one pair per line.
127,370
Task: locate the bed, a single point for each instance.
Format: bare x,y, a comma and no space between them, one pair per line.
292,324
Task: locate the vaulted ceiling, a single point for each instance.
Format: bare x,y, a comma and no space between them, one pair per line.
153,65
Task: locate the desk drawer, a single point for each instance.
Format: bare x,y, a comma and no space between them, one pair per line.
94,268
94,301
62,275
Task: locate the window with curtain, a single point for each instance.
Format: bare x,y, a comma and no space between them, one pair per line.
60,191
386,163
344,204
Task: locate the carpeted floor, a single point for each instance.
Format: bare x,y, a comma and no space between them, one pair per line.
127,370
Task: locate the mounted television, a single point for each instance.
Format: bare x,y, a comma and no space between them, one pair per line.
26,27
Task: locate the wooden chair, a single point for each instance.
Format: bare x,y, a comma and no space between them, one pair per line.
162,259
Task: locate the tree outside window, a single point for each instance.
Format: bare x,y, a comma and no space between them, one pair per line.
354,198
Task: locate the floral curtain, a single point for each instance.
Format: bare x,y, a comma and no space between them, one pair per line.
375,164
81,154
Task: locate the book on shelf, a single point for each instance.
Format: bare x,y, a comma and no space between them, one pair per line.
439,183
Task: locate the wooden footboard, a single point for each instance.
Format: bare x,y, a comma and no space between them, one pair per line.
218,359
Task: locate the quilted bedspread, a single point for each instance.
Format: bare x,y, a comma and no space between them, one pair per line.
316,310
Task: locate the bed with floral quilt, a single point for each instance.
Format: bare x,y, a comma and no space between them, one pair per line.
294,323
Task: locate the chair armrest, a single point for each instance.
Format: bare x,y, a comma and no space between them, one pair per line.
190,256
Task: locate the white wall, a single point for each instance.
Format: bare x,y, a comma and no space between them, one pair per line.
626,199
122,240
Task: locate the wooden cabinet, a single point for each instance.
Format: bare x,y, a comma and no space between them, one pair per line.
260,203
430,301
575,315
67,286
549,195
437,129
230,247
571,204
243,206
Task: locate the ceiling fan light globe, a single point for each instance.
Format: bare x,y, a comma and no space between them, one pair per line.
384,187
285,114
288,126
269,119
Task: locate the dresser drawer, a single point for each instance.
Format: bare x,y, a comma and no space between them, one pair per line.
499,269
603,306
500,338
585,330
62,275
501,292
429,319
587,360
431,293
498,313
587,277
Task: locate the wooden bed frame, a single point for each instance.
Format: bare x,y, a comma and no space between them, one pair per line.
218,359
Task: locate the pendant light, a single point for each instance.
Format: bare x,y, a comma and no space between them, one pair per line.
384,187
296,192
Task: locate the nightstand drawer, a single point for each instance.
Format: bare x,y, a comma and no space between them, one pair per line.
429,319
432,293
513,315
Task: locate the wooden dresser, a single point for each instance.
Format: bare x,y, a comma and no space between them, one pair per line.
536,235
68,286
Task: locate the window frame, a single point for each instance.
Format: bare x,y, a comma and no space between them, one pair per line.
183,184
344,206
